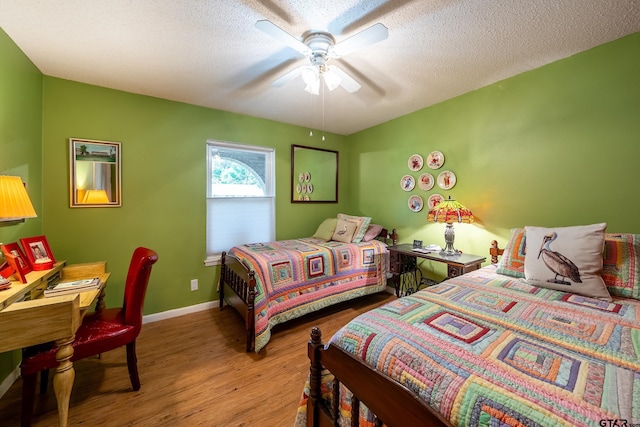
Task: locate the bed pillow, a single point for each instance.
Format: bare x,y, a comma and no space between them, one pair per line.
326,229
512,261
567,259
344,231
621,264
372,232
362,223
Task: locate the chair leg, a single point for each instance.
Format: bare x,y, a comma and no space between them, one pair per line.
44,381
28,398
132,364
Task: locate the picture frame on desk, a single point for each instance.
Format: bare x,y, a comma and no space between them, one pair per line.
13,262
38,252
22,262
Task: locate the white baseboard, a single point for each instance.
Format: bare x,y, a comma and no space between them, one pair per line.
180,311
8,382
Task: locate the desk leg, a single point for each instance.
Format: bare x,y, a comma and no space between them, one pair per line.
100,302
63,381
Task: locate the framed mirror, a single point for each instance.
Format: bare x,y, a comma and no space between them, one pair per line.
95,175
314,175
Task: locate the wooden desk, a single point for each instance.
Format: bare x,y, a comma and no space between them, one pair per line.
27,318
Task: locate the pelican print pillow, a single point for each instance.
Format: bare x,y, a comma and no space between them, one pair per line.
567,259
344,231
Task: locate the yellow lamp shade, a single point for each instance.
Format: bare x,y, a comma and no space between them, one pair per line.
14,200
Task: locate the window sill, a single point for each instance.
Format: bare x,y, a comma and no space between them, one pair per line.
212,260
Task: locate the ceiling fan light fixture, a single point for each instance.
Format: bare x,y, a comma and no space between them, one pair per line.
331,78
313,87
310,75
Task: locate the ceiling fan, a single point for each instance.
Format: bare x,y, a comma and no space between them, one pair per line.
319,47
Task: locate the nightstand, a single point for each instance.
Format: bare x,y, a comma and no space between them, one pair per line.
406,274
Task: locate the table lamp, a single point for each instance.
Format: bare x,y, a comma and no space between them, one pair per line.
15,204
450,211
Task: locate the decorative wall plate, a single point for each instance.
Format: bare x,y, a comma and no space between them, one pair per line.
306,198
304,188
446,180
434,200
435,160
426,181
415,162
301,177
415,203
298,188
407,183
307,176
309,188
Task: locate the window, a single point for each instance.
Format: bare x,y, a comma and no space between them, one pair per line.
240,196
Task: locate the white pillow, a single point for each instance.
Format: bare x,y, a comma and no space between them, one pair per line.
567,259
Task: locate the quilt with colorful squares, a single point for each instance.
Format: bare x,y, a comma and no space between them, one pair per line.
296,277
487,349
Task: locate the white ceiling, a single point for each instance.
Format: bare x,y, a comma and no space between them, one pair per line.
210,53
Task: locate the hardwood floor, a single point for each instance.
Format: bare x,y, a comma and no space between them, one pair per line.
194,372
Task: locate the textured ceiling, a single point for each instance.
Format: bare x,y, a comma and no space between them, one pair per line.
210,53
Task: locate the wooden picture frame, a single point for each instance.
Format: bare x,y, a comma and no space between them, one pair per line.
22,262
38,252
95,173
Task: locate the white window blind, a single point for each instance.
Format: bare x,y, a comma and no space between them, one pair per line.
240,196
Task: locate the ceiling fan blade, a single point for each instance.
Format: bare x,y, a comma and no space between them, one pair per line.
278,33
346,81
291,75
366,37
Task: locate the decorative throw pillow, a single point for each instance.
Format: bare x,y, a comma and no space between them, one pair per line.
326,229
362,223
344,231
512,261
567,259
372,232
621,265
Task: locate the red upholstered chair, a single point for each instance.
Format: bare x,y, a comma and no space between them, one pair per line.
98,333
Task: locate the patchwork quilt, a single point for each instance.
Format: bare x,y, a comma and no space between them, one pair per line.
487,349
296,277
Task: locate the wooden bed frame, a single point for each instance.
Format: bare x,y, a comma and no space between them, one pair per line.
238,287
393,403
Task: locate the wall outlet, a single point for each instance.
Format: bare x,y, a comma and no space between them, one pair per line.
194,284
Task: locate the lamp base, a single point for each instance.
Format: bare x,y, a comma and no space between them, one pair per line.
449,236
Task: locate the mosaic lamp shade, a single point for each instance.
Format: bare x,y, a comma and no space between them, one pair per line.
15,204
450,211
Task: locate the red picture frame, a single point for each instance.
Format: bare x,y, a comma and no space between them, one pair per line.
23,263
38,252
13,262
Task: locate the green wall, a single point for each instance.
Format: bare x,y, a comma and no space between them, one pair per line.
20,143
163,185
556,146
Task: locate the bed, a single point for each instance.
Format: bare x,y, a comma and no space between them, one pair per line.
488,348
273,282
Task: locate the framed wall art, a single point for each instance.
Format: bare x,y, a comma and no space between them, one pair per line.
95,173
